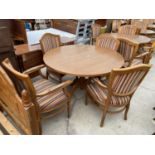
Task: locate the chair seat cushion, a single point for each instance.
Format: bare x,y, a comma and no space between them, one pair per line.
101,94
50,101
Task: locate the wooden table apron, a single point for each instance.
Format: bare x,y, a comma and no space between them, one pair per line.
83,60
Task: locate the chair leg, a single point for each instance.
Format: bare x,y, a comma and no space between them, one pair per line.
103,116
68,109
126,111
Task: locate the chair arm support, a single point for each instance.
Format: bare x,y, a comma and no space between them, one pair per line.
55,88
140,56
99,83
34,69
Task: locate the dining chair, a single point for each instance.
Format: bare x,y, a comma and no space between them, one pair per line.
128,50
43,97
140,25
96,30
116,95
49,41
115,25
128,29
107,41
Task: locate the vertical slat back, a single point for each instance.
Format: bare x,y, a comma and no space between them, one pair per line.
128,29
49,41
127,49
125,81
107,42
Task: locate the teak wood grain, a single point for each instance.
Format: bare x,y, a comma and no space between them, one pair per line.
83,60
137,39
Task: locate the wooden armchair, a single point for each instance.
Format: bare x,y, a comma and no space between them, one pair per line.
128,50
128,29
145,56
115,97
115,25
96,30
41,98
107,41
47,42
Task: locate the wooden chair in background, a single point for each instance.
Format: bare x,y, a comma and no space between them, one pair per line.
48,42
96,30
116,96
128,50
107,42
128,29
29,102
115,25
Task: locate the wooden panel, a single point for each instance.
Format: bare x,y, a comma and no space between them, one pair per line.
32,59
10,129
67,25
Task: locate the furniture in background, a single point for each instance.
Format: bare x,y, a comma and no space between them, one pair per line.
42,24
128,29
138,39
84,31
68,25
39,100
50,41
6,47
96,30
32,50
116,95
107,41
33,37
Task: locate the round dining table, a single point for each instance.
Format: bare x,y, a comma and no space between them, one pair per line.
82,60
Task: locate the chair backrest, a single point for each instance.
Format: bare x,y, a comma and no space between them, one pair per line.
115,25
124,82
107,42
140,24
49,41
96,29
19,108
128,29
127,49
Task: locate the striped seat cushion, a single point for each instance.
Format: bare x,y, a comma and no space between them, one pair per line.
48,102
101,95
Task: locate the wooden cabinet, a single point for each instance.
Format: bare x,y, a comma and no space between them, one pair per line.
68,25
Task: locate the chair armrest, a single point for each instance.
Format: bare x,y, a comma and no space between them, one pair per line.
140,56
55,88
34,69
99,83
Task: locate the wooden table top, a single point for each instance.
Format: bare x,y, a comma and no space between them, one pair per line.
138,39
151,26
83,60
147,32
25,49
